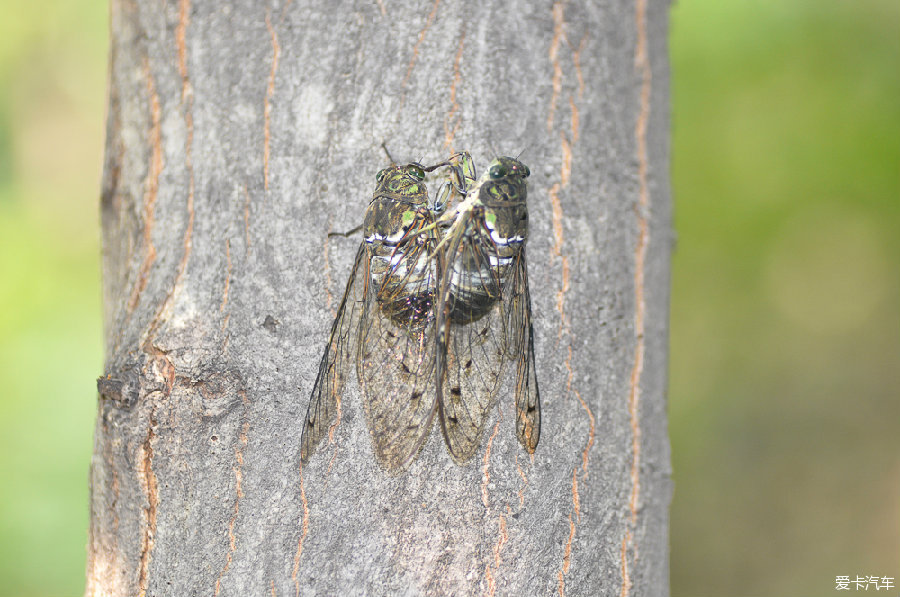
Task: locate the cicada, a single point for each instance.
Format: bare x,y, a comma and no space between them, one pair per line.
385,324
483,308
434,308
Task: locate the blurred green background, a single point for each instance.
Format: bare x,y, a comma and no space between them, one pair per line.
52,96
785,348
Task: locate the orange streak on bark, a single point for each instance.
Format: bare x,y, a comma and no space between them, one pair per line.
148,481
591,419
270,91
567,558
153,173
485,471
488,573
239,492
626,577
524,483
574,110
184,11
643,66
450,131
187,101
576,60
554,59
415,56
575,499
565,171
304,532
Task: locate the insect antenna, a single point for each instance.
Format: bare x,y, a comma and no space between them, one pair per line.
346,234
494,153
388,153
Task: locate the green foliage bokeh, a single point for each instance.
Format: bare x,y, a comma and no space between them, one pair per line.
785,338
52,91
785,347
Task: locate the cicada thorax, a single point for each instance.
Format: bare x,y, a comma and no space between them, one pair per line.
402,275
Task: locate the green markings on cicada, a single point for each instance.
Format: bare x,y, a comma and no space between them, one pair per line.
435,306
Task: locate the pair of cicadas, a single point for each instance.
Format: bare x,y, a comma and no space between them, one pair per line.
436,305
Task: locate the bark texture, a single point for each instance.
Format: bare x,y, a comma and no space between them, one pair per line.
239,135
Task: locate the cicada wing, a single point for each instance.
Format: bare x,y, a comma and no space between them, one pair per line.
471,354
517,301
396,361
326,395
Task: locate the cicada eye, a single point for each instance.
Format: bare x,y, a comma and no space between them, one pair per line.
417,172
380,176
497,171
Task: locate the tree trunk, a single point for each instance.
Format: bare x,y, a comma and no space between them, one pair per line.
239,135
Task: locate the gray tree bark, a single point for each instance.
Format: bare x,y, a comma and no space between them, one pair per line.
239,135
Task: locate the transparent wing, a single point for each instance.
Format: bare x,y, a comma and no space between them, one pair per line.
326,394
471,354
517,303
396,359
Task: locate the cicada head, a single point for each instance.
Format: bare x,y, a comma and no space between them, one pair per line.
398,205
503,191
402,182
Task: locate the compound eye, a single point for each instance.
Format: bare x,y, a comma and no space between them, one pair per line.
417,172
525,171
380,176
497,171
